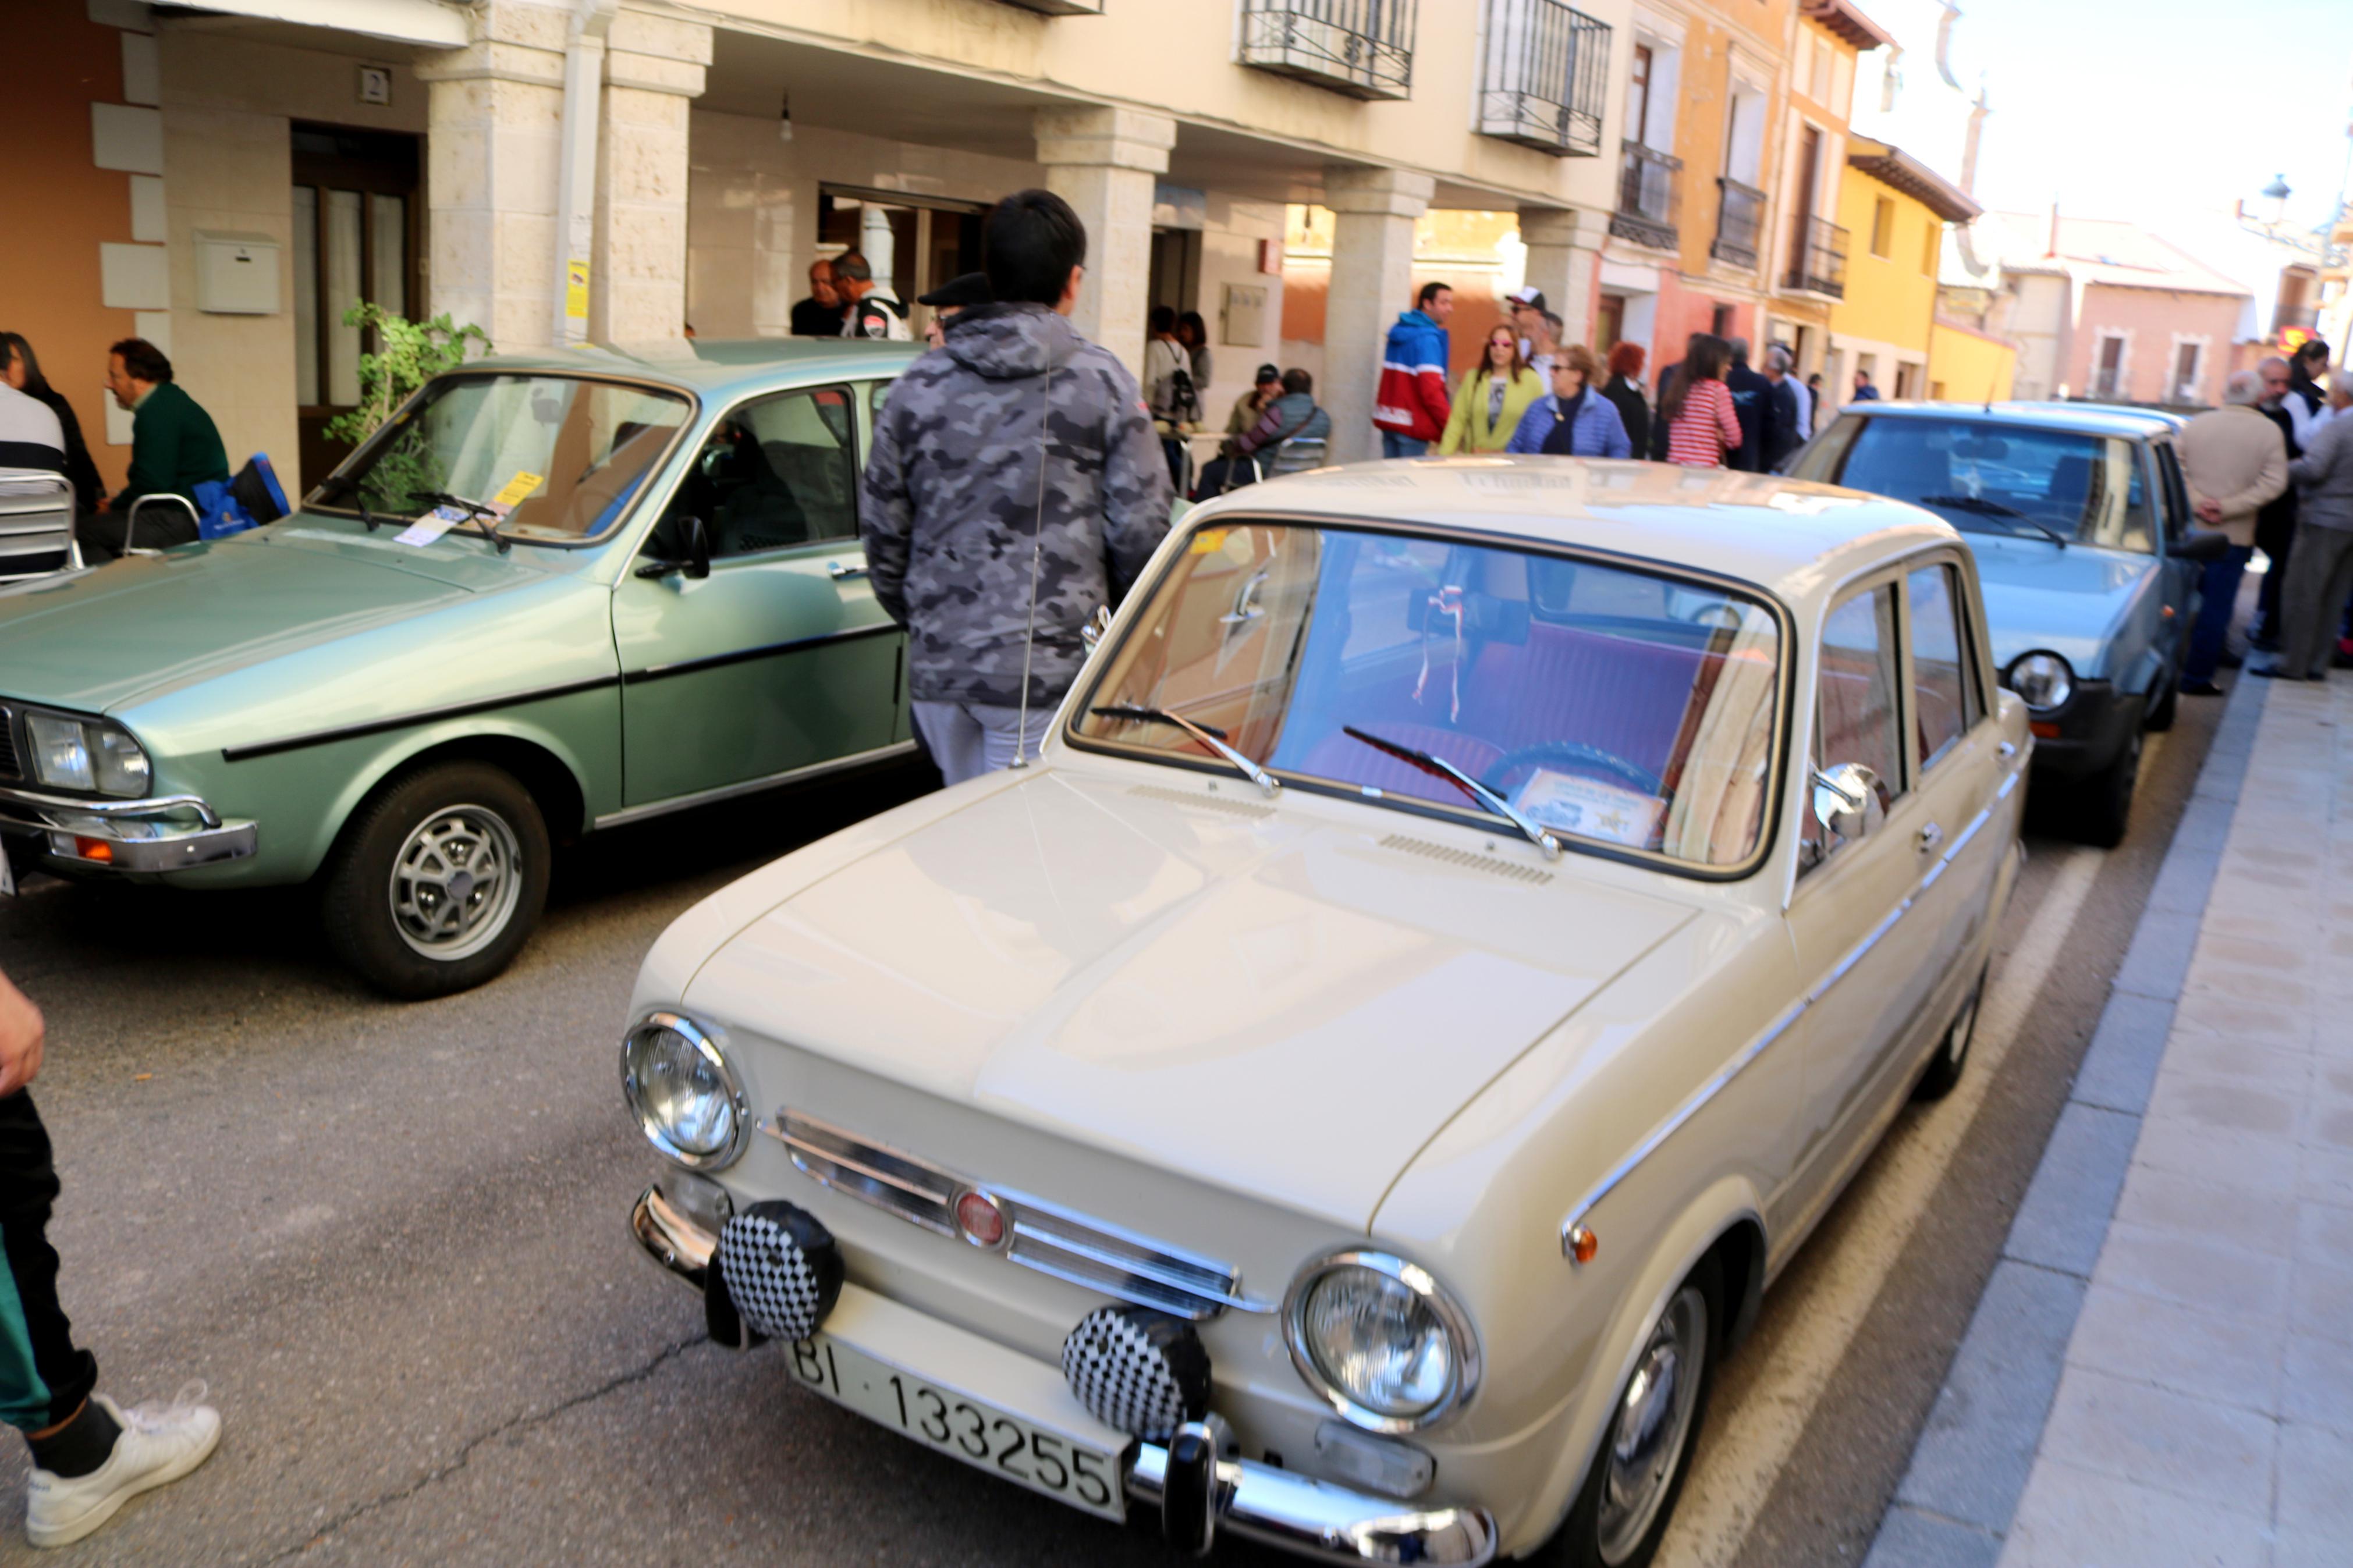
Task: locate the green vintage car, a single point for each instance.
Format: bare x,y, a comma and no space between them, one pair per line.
554,594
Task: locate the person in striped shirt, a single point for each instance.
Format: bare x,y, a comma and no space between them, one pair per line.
1697,409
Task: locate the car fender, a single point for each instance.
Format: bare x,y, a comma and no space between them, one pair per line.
1728,1202
452,734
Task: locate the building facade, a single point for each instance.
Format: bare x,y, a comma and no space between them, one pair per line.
2103,309
1884,327
565,169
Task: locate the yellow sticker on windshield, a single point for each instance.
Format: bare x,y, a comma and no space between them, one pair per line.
1207,542
516,488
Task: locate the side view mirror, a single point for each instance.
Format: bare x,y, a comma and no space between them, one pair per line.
1846,800
698,553
2199,544
1092,634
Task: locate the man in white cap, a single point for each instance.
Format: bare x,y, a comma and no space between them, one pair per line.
1526,304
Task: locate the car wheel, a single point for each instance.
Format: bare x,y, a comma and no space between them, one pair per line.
1620,1514
2104,801
1953,1052
437,879
2160,717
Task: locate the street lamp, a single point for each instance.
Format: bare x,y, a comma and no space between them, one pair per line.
2277,194
2312,242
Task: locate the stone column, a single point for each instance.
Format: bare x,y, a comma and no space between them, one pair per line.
1103,161
653,72
495,110
1564,253
1372,281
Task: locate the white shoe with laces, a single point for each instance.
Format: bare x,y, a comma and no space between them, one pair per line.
160,1443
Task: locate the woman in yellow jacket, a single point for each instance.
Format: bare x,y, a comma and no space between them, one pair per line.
1490,399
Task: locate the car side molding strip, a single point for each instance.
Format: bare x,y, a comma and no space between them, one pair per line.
421,716
746,655
752,786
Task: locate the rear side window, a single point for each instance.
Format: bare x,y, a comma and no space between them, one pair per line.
1944,687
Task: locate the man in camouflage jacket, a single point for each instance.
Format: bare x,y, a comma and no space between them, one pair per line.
953,505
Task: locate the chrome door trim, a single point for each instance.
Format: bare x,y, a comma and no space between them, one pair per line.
1733,1068
750,787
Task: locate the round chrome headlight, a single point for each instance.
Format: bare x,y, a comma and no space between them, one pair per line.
1381,1340
683,1091
2042,680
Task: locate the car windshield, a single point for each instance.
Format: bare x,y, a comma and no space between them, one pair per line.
1613,706
556,459
1989,478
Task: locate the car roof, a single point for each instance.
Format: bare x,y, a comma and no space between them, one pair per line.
2086,419
719,365
1794,539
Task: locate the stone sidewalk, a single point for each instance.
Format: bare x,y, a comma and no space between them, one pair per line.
2161,1369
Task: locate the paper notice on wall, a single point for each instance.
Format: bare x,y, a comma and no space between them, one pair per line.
575,290
431,526
1590,808
511,494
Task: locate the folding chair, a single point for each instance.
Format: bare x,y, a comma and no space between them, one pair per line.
36,525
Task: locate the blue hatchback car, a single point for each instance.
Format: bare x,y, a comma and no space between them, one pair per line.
2081,528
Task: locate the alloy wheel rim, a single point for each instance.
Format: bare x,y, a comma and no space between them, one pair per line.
1652,1426
456,882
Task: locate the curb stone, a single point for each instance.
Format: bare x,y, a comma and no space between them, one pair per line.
1954,1506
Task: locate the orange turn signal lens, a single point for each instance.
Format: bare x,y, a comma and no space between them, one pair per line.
97,849
1582,1244
2042,730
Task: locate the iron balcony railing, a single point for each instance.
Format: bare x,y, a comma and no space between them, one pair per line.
1739,219
2288,316
1361,48
1818,258
1546,77
1646,197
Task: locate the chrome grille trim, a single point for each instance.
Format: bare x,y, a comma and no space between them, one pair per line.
1048,1238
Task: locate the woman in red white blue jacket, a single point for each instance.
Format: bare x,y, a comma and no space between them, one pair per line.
1411,408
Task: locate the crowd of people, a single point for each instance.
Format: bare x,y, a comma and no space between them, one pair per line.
2271,469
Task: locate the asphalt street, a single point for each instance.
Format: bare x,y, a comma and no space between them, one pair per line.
390,1238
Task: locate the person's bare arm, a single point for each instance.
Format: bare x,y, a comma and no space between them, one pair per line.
21,1037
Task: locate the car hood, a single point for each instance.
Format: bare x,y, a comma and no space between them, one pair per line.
97,641
2068,601
1278,1000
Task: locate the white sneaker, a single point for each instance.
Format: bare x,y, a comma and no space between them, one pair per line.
160,1443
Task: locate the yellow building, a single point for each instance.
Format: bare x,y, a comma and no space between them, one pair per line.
1967,365
1896,208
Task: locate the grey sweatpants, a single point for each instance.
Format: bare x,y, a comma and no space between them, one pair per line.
2319,577
969,739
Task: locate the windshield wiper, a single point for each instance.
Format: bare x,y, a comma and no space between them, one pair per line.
337,483
1214,739
1439,766
485,520
1994,509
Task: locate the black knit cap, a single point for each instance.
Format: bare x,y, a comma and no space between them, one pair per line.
969,289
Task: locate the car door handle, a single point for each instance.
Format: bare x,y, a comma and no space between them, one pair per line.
840,571
2006,751
1930,837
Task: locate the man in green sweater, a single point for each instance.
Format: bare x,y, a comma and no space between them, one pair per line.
173,449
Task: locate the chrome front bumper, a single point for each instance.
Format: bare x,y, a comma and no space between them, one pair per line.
1278,1507
163,832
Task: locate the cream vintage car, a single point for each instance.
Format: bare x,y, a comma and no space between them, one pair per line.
1470,921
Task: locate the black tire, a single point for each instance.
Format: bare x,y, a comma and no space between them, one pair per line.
463,825
1580,1543
2104,800
1952,1057
2160,717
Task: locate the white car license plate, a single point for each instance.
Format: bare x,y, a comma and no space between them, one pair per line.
1055,1463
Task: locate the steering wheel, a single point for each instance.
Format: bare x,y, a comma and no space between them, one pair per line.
1575,755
